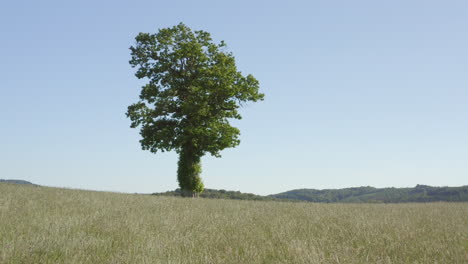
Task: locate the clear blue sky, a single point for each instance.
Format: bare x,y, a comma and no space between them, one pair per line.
357,93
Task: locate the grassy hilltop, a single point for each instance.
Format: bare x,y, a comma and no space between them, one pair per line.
52,225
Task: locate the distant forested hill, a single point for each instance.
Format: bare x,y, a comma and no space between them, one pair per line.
16,181
420,193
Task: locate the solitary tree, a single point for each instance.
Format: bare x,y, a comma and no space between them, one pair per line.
193,89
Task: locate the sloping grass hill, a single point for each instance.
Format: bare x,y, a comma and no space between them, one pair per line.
51,225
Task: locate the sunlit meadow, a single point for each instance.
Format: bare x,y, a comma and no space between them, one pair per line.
52,225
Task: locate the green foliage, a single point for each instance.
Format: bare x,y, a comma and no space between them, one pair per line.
189,165
193,89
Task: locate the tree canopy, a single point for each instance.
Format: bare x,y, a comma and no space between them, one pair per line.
193,89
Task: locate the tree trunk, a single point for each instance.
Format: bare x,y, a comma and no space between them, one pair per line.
188,172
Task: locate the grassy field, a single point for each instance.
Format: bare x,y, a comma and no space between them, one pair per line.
51,225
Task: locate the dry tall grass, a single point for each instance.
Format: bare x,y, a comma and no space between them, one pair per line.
51,225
